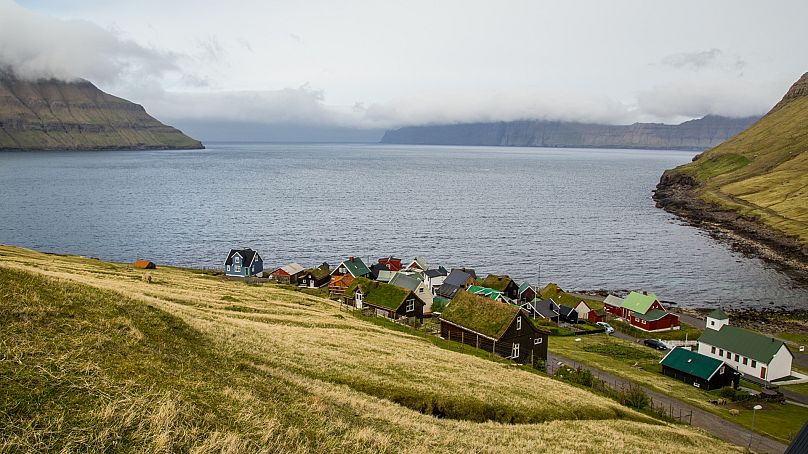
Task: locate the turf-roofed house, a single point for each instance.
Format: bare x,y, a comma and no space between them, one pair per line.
698,370
243,263
315,277
500,328
504,284
384,299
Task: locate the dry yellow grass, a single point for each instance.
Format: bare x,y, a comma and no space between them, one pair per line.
341,373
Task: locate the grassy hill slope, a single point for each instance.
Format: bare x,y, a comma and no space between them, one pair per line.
96,358
759,178
57,115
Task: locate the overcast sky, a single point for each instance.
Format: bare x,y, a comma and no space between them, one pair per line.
378,64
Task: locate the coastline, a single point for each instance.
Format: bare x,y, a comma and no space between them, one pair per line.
676,193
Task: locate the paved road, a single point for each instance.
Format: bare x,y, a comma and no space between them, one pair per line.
717,426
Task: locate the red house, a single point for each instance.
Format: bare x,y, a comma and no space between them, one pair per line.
642,311
391,263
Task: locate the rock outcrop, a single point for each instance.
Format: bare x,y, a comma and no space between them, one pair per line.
754,186
57,115
690,135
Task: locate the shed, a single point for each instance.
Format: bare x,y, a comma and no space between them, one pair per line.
287,274
526,292
144,265
503,329
315,277
698,370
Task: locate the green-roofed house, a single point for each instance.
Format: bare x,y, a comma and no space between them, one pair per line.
642,311
496,327
384,299
353,266
488,293
698,370
503,284
526,293
756,355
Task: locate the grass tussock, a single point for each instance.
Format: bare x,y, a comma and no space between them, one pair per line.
94,363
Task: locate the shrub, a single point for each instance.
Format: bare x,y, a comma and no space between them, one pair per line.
728,392
635,397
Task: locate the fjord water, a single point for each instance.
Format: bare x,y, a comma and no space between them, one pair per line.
583,217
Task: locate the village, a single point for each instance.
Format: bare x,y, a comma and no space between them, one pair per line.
556,332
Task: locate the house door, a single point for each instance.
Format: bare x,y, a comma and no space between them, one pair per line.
311,283
762,372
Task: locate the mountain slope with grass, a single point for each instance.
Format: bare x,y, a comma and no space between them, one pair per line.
756,183
49,114
98,357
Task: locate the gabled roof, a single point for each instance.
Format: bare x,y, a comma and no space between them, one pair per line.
319,272
566,311
447,290
718,314
418,262
692,363
546,308
379,293
639,302
440,271
480,314
457,277
652,315
496,282
486,292
405,281
355,266
612,300
385,275
743,342
247,256
584,303
291,269
524,287
799,445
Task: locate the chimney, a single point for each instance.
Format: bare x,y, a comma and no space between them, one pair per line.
645,292
350,258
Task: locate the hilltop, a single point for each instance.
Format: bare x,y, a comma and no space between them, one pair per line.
691,135
100,358
50,114
755,184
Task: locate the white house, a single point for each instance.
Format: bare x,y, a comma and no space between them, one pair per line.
749,352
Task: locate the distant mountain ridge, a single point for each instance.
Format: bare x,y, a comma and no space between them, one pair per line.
697,134
50,114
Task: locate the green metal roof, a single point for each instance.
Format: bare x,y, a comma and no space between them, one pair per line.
638,302
743,342
718,314
480,314
485,291
692,363
650,316
385,275
524,287
378,293
405,281
356,267
613,301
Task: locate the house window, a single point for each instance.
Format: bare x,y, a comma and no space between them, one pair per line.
515,351
712,322
729,355
410,305
518,323
237,259
537,341
721,371
228,267
238,268
720,352
754,364
745,360
712,349
737,358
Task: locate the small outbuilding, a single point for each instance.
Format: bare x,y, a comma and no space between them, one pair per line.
526,292
315,277
144,265
287,274
698,370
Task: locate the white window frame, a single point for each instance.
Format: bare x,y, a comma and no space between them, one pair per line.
515,350
537,341
237,268
519,323
411,305
228,267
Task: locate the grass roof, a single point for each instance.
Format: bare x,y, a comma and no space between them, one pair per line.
319,272
495,282
480,314
378,293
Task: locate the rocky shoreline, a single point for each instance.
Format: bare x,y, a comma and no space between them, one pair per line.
676,193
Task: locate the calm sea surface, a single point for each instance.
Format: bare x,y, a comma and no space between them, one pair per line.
585,218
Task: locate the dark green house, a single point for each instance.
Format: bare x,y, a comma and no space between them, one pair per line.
698,370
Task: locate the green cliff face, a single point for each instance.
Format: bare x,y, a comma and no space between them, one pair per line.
757,178
57,115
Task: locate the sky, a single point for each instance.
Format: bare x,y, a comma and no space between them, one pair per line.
371,65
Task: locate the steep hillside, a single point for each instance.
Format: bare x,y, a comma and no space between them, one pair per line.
690,135
755,183
57,115
95,358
